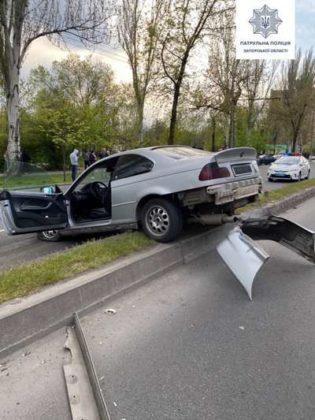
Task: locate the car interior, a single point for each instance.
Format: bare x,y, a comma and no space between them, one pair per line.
91,198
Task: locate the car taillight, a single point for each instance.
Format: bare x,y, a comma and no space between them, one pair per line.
212,171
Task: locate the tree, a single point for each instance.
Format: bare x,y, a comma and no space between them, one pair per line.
227,74
257,89
138,26
298,77
24,21
180,32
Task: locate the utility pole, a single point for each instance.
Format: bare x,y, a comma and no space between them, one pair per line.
312,133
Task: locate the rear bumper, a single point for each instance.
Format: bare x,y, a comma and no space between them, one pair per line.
233,191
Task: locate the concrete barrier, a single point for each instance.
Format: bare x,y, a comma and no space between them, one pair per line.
26,319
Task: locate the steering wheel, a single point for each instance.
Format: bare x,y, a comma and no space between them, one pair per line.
98,190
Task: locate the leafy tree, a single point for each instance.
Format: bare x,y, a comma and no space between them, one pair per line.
24,21
138,36
180,32
297,95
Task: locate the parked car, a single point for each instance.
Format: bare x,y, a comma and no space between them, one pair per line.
265,159
156,188
291,168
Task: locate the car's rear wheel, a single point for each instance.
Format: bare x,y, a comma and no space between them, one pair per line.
161,220
49,235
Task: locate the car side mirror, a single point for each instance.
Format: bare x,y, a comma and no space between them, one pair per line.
51,189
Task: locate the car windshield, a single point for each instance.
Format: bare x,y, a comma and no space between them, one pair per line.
288,160
181,152
21,176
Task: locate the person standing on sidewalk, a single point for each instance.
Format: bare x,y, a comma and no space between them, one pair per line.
74,159
86,157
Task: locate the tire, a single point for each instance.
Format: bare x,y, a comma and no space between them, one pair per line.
308,174
300,177
49,236
161,220
270,179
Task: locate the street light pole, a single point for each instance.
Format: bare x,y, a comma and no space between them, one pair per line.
312,133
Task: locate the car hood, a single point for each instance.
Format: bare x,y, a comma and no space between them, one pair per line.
283,167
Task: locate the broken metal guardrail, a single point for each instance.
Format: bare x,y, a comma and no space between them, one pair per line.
245,257
86,400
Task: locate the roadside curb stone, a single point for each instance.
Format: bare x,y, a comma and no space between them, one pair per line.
282,205
26,319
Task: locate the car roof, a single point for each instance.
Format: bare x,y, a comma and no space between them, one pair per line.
169,152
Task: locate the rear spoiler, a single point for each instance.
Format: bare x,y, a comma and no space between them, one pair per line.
237,153
245,257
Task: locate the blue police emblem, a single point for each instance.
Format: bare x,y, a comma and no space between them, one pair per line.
265,21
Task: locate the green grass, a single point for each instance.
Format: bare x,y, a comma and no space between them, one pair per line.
276,195
30,277
32,180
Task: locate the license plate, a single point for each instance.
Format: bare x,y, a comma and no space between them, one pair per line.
279,174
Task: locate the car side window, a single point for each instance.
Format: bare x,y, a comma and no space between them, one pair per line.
131,165
100,173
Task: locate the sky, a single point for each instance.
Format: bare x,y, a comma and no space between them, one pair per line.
43,52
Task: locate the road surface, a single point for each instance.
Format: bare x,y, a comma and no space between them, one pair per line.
189,345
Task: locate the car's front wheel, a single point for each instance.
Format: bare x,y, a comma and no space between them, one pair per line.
161,220
49,235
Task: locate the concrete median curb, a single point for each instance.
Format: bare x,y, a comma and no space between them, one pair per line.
282,205
23,320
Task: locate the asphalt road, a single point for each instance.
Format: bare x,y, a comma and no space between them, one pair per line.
17,249
189,345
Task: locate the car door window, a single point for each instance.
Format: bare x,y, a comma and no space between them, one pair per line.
131,165
98,174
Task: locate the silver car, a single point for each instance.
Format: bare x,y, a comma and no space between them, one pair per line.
155,188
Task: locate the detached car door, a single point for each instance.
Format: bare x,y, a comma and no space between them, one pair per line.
26,211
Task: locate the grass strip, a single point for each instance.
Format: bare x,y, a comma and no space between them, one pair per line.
275,195
32,180
30,277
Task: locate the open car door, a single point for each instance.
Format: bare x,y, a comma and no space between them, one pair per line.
26,212
26,205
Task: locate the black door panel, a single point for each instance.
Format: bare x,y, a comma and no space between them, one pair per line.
37,210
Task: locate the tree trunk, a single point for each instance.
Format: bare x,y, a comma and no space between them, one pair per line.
232,127
213,134
295,137
140,122
64,162
13,112
173,122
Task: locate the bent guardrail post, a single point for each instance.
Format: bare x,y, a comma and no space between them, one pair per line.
245,257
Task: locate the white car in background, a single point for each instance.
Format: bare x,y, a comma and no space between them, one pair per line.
291,168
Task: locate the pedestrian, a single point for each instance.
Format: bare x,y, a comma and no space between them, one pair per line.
74,159
103,153
92,157
86,157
